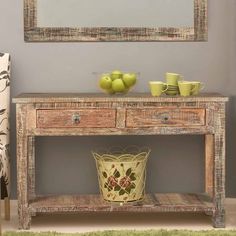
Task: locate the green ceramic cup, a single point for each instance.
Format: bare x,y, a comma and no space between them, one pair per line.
186,88
198,87
173,78
157,88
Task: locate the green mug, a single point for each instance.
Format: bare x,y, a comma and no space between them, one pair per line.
173,78
198,87
186,88
157,88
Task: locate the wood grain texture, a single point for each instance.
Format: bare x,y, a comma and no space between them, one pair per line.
151,203
219,167
209,160
22,168
87,118
31,167
36,34
133,98
200,20
131,115
164,117
194,130
120,120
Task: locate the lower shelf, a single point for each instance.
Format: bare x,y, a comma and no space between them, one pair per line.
158,202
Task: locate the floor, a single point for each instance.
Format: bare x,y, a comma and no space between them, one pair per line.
111,221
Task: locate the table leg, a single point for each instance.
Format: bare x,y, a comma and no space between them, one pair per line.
22,168
209,164
31,167
219,169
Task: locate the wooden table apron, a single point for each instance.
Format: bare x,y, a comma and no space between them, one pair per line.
135,114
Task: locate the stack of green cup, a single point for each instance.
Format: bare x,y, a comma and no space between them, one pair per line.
172,80
175,85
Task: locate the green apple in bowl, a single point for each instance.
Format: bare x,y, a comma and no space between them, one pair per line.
129,79
117,82
118,86
105,82
116,74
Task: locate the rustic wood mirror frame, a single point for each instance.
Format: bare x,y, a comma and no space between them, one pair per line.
33,33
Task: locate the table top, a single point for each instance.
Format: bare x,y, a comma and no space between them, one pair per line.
101,97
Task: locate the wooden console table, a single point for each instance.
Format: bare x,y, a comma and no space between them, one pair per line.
133,114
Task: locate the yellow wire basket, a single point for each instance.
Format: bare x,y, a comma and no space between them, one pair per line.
122,173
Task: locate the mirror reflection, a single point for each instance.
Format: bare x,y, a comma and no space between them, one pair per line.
115,13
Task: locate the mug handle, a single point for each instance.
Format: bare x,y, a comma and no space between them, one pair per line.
202,86
167,86
194,88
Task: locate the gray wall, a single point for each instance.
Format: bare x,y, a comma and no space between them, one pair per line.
176,163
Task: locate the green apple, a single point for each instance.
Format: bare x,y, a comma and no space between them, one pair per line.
105,82
116,74
129,79
118,85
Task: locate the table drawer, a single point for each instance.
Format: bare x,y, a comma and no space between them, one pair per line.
81,118
164,116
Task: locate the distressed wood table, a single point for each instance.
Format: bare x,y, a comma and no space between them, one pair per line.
134,114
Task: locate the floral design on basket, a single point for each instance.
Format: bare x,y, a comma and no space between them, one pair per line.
124,185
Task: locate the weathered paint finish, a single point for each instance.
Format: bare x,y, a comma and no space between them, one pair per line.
37,34
219,167
152,117
204,114
100,99
31,167
80,118
22,167
209,160
159,202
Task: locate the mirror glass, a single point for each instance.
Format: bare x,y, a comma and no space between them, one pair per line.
115,13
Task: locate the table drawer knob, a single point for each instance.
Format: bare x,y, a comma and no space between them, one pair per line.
165,118
76,119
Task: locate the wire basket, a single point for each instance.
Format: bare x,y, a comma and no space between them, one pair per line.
122,173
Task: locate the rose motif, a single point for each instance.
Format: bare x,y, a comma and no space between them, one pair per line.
112,181
125,182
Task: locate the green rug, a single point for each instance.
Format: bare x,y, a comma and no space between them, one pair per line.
132,233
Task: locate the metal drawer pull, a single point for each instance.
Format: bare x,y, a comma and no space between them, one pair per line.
165,118
76,119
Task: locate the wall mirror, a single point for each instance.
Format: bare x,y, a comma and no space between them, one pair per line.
115,20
